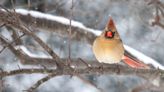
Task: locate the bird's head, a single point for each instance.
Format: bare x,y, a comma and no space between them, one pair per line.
110,31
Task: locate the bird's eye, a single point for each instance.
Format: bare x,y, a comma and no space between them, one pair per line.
109,34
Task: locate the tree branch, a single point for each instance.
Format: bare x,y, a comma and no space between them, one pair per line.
107,69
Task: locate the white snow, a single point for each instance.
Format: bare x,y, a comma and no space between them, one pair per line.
56,18
26,51
66,21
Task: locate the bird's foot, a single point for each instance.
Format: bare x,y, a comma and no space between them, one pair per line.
101,67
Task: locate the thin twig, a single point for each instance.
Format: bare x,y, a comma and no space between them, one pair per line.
29,4
15,36
89,83
70,33
7,45
41,81
5,42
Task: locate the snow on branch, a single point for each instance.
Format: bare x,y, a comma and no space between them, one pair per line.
57,24
58,19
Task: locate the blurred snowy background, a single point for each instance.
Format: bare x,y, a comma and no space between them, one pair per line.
132,18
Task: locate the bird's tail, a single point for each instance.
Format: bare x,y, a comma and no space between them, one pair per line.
134,63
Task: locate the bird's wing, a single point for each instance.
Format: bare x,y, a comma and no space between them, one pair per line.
133,61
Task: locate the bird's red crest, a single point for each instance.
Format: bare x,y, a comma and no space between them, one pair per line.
111,24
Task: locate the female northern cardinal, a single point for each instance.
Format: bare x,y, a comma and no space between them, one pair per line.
108,48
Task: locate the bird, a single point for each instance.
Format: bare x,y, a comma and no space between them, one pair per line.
108,48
